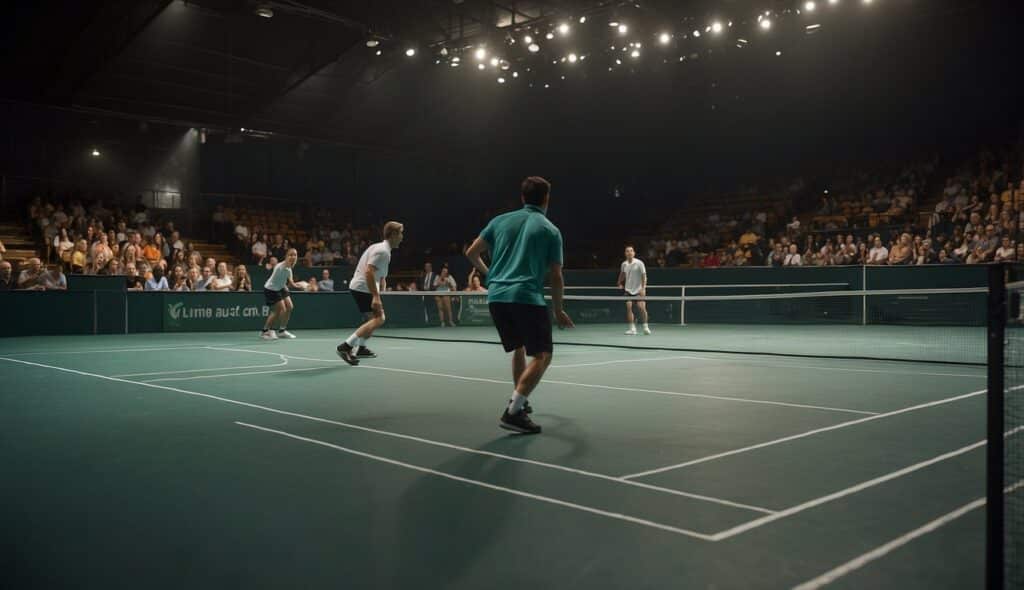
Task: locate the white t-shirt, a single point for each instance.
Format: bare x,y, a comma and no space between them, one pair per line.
225,282
793,260
878,254
379,255
634,273
279,278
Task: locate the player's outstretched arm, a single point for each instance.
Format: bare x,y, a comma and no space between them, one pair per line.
475,254
557,295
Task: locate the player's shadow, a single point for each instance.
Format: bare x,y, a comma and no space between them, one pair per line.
446,527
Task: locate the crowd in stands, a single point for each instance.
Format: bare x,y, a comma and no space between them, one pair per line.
914,217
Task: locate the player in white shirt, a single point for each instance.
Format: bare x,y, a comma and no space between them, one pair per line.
633,281
277,296
368,280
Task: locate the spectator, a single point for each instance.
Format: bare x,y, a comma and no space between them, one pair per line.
879,254
179,279
206,277
221,282
242,280
150,252
259,251
1006,251
63,247
426,280
133,282
31,277
902,252
778,257
474,283
158,282
7,282
113,268
326,283
793,258
312,286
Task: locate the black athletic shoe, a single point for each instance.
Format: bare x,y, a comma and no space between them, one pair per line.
347,354
518,422
526,406
366,353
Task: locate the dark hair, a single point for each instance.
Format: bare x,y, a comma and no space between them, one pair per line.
535,189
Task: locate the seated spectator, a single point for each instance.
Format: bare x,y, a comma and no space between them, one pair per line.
326,282
206,277
270,263
259,250
242,280
313,287
133,282
63,247
793,257
158,282
474,283
878,254
179,279
1006,251
7,282
80,257
113,268
31,277
150,252
902,252
793,227
223,280
778,257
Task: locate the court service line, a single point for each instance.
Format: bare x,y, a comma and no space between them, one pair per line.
103,350
759,522
574,384
883,550
773,365
404,437
227,375
497,488
804,434
284,361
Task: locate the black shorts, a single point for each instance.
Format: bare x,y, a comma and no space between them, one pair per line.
520,324
272,297
363,301
633,297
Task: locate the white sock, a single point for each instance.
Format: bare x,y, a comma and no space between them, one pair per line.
517,403
360,342
646,327
632,327
352,340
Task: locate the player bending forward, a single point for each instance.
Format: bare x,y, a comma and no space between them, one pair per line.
633,282
369,279
277,296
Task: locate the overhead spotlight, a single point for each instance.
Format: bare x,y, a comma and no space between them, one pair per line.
95,153
664,38
480,53
265,11
547,86
696,33
495,61
410,52
766,24
572,58
867,1
583,19
563,28
505,65
378,52
613,23
515,74
549,36
809,6
527,39
501,80
716,27
480,66
833,2
372,42
534,48
778,53
454,64
444,51
618,62
456,59
635,53
623,29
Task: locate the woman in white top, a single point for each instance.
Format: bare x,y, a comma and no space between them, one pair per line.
223,281
444,283
793,258
63,246
259,250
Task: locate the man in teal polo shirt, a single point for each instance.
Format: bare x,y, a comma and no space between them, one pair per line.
525,247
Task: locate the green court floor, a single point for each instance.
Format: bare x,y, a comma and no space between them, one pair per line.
221,461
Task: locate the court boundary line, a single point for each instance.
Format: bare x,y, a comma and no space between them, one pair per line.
494,487
882,550
780,440
228,375
450,446
707,350
103,350
572,384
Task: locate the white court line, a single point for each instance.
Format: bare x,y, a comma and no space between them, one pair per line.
804,434
549,500
284,361
759,522
761,364
402,436
103,350
226,375
573,384
881,551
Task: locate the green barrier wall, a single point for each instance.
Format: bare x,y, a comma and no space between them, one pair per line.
339,274
103,307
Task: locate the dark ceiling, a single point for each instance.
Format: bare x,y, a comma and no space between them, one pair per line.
308,71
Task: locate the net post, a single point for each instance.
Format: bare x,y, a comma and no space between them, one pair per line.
994,539
682,305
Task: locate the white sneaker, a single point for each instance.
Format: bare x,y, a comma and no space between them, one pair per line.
631,332
268,335
647,331
285,334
